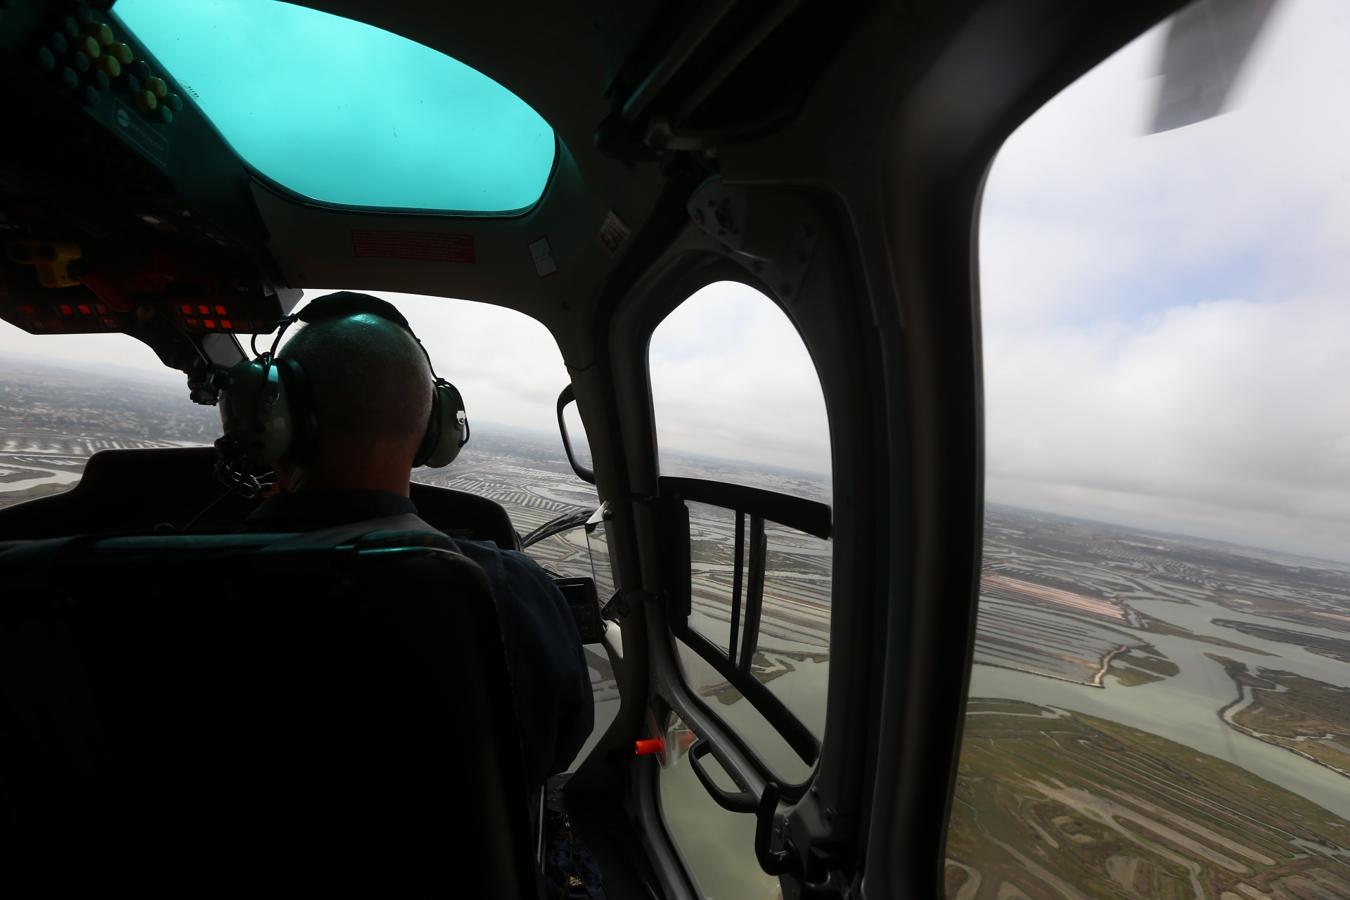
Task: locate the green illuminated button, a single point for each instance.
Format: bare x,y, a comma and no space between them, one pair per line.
90,46
147,101
121,52
110,65
100,32
156,84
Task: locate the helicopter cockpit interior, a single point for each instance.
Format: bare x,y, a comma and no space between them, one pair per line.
185,176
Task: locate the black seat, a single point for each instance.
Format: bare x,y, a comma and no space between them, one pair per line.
136,490
191,716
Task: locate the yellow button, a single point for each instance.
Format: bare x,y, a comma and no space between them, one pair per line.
156,84
109,65
99,32
147,100
122,52
90,45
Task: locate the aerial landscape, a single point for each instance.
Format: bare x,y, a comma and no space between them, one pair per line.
1150,715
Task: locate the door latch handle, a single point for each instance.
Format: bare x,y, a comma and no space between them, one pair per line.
742,801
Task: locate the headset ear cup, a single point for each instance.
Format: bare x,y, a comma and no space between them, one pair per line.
447,430
255,412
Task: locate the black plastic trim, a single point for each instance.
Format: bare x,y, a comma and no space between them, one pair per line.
804,515
567,396
765,701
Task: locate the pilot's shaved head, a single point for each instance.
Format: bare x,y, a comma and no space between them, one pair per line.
371,387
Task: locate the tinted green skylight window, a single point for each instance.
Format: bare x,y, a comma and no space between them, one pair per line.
343,112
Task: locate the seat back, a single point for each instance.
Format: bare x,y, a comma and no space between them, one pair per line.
228,715
138,490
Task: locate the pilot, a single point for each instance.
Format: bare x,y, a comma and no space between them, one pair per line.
370,387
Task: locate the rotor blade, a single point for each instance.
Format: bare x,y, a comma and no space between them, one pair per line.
1206,46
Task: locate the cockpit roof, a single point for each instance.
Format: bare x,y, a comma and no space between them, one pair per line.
346,113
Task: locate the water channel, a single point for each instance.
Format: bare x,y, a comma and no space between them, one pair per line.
1185,708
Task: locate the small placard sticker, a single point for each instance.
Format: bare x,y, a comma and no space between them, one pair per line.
613,233
542,254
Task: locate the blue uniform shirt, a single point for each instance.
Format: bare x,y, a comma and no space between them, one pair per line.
550,684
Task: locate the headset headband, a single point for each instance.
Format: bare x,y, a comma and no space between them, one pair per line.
350,303
342,304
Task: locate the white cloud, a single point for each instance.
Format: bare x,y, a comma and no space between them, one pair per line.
506,364
1166,331
731,378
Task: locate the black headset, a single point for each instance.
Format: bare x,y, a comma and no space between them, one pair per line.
267,403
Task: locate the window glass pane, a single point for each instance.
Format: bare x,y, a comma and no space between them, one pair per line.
74,396
710,839
1160,700
737,400
712,562
793,650
736,395
732,707
597,546
343,112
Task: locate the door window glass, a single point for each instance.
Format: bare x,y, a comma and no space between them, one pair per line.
1160,698
737,401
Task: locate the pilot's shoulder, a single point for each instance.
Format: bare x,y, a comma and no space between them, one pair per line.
510,566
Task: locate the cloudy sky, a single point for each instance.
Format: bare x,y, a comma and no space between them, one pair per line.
1166,317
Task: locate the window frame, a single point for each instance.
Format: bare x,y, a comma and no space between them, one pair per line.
807,516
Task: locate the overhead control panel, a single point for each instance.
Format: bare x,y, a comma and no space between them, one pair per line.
121,208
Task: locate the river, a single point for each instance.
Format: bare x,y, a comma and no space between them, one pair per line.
1185,708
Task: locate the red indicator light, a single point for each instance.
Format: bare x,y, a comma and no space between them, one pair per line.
209,323
221,311
85,310
190,322
226,324
204,310
648,746
186,308
66,310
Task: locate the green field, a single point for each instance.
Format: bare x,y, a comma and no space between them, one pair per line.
1056,804
1310,718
